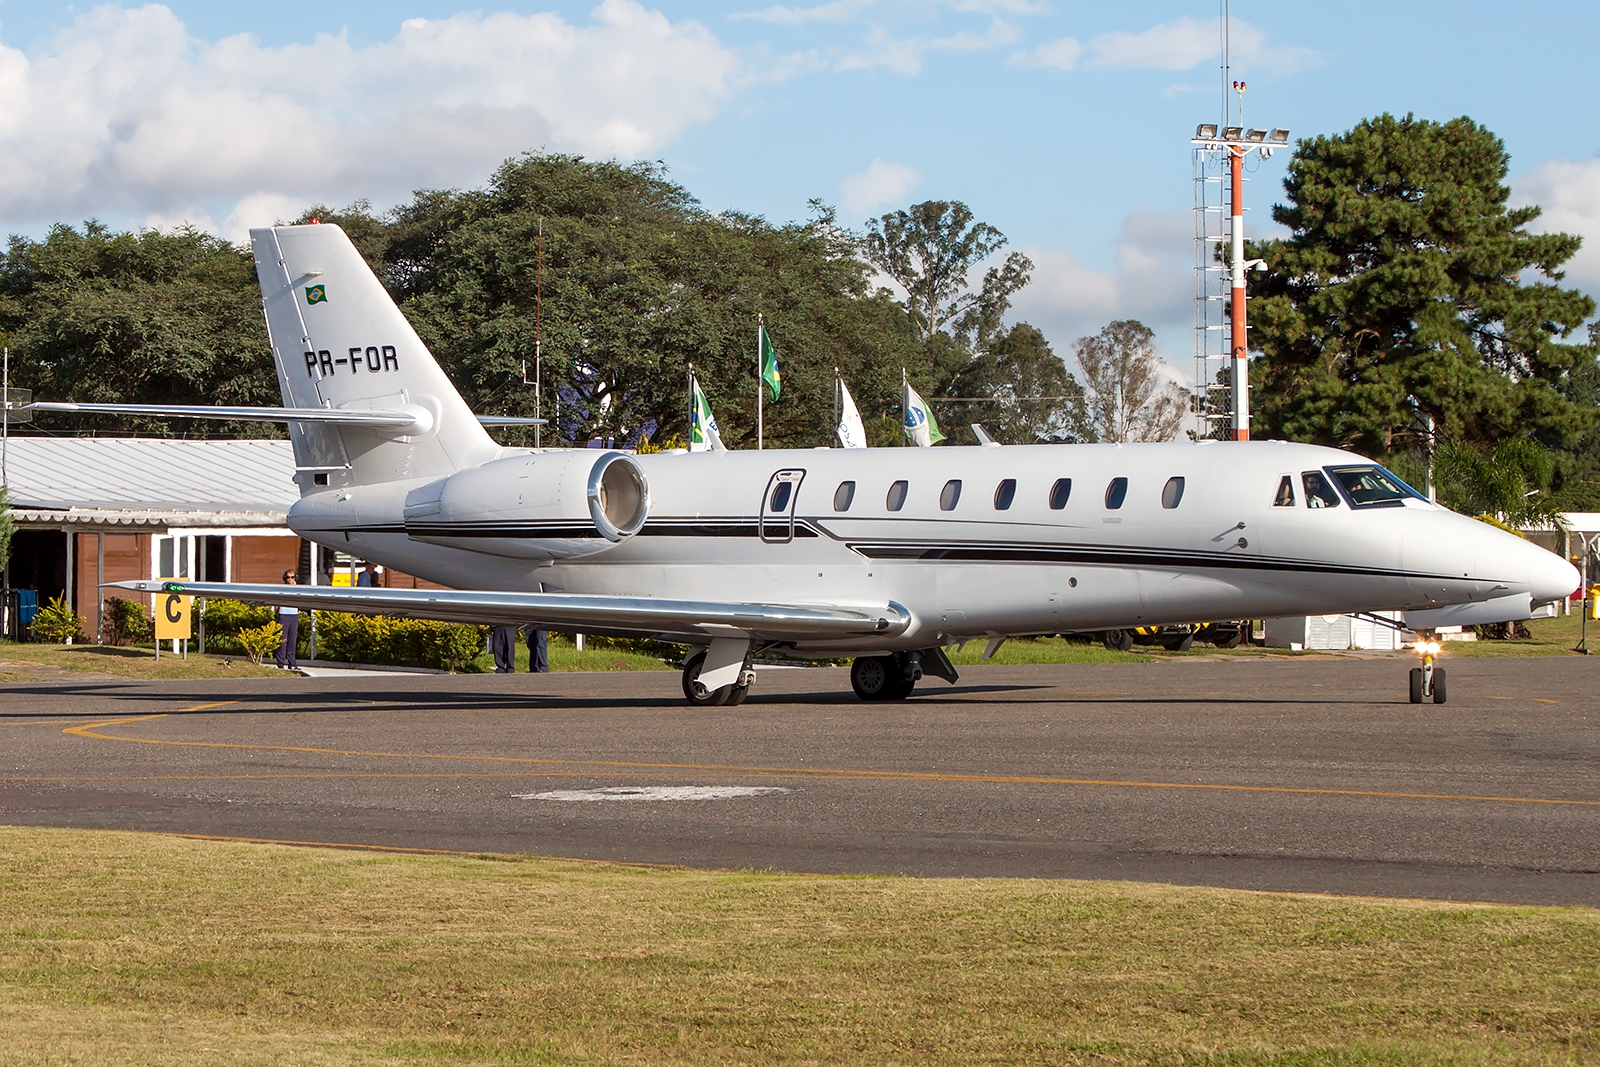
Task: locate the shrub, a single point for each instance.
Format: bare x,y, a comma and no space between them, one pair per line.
123,622
260,641
381,639
57,622
225,619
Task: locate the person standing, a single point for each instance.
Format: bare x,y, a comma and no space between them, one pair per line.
538,649
289,621
368,578
503,647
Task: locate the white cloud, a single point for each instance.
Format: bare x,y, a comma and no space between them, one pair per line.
903,55
838,11
1061,53
881,183
1152,281
1180,45
125,111
1568,191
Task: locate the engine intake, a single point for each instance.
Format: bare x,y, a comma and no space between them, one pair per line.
539,505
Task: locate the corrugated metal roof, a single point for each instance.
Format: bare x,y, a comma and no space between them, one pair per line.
150,480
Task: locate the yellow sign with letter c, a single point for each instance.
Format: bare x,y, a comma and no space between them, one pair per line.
172,616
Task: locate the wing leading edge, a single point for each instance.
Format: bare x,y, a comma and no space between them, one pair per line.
695,620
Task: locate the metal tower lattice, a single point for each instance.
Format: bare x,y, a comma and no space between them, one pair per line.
1212,393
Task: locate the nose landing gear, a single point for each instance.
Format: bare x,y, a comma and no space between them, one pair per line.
1427,681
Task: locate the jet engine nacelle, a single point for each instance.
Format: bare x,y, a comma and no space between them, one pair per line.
541,505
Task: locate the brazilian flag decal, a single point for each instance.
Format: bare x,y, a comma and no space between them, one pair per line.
316,294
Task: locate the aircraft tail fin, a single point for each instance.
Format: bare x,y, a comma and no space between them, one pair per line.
339,343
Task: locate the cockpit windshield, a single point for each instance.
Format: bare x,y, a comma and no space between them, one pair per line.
1371,486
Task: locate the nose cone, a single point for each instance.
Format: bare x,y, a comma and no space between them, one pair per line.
1549,576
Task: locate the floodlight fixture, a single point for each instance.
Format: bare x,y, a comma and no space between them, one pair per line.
1256,135
1233,133
1278,136
1206,130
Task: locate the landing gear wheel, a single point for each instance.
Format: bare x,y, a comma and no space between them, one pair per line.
875,677
1231,642
1416,684
1438,685
1118,640
695,693
1182,644
736,695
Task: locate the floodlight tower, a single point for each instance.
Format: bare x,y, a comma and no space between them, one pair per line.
1231,145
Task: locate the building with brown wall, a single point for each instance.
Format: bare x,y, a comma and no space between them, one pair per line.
92,510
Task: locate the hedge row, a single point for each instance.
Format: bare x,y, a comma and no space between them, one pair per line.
347,638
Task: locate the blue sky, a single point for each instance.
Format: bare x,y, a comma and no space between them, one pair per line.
1065,124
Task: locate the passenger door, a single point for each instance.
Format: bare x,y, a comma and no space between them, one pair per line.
777,506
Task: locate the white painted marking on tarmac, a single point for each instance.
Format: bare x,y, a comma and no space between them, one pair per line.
657,792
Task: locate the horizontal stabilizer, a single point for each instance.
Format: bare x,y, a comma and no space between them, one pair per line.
694,620
380,417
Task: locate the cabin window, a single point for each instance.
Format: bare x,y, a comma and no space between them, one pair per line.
1116,493
1004,493
1285,494
780,498
1059,493
1172,493
843,495
950,495
897,496
1319,494
320,478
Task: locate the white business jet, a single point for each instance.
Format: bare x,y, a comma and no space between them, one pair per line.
886,555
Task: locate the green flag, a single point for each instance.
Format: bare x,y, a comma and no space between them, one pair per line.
703,436
769,365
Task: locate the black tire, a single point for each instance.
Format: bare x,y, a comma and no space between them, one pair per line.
1438,685
1233,640
695,693
876,678
902,685
736,695
1181,644
1416,685
1118,640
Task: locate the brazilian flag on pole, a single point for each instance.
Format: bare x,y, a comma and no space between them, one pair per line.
769,365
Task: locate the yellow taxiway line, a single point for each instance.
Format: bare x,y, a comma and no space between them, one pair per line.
90,730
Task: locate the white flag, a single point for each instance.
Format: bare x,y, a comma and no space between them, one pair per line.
851,433
920,426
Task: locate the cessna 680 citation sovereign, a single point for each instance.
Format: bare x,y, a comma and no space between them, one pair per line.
886,555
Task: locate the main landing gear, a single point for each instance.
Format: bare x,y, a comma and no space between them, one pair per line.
891,676
1427,681
723,696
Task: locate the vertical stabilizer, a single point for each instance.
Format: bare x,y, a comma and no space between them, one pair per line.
339,342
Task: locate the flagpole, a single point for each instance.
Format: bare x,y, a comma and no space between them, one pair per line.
691,407
902,407
760,400
836,381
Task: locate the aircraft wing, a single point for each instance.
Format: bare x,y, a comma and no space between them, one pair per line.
342,416
691,620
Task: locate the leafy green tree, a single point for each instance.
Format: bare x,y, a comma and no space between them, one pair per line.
1035,399
7,526
638,281
152,317
929,249
1406,284
1127,397
1510,482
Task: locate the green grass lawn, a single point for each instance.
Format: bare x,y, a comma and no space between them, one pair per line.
124,662
142,949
